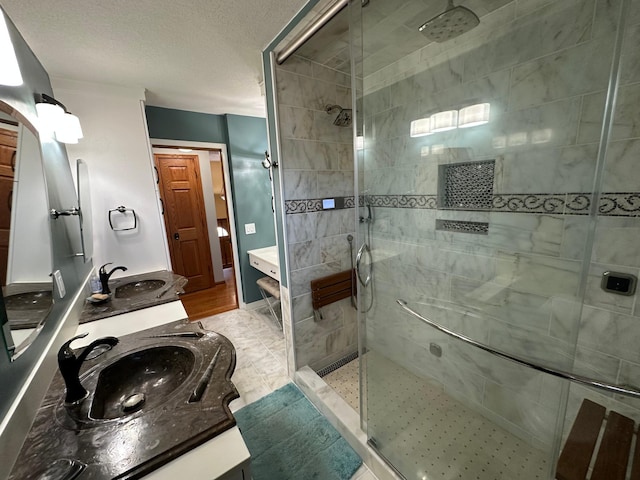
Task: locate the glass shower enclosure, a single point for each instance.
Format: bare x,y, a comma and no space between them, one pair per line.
498,197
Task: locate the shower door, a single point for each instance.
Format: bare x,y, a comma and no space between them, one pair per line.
475,177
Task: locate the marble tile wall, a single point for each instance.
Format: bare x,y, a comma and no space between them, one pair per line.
317,163
544,67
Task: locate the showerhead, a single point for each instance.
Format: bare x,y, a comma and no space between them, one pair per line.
454,21
344,116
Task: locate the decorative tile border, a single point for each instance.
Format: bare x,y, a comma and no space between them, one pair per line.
481,228
618,204
528,203
315,205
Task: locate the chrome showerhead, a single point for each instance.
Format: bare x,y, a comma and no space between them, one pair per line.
344,116
454,21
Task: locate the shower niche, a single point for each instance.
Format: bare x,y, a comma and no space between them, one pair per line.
465,186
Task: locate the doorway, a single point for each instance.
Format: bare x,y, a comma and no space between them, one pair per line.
185,221
223,293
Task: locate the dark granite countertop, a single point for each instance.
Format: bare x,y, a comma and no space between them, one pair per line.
27,304
134,444
116,305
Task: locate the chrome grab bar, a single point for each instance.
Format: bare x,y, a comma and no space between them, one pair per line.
363,249
590,382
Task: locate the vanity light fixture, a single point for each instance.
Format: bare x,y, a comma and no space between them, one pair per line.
10,73
474,115
50,113
54,117
443,121
185,150
69,129
420,127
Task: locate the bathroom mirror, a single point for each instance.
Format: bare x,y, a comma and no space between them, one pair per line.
84,205
25,238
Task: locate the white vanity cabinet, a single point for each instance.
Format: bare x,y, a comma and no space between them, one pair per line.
224,457
266,260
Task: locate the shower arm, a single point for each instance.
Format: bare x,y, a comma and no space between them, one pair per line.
590,382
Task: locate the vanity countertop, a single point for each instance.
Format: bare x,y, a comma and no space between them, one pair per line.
116,306
266,260
137,443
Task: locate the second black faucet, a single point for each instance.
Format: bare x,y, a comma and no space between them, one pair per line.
104,277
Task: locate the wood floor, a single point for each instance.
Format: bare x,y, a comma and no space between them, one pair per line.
218,299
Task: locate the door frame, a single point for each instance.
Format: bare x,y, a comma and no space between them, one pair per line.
160,143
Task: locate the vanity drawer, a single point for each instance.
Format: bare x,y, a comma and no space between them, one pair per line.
265,267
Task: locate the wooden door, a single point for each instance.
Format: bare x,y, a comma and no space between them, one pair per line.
185,220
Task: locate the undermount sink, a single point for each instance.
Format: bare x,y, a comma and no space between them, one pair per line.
135,289
142,379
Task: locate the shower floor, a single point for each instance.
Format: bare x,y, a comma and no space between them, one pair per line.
345,383
427,434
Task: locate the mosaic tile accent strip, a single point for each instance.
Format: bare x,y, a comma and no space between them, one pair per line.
481,228
402,201
578,204
529,203
617,204
620,204
466,185
315,205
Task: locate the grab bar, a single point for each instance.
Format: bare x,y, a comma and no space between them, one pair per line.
590,382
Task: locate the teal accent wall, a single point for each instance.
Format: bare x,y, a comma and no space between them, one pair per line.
246,140
172,124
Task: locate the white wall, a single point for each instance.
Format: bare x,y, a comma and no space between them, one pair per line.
116,149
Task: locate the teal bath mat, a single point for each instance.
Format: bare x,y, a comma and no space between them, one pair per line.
290,440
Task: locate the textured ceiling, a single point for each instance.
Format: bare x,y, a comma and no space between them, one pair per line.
199,55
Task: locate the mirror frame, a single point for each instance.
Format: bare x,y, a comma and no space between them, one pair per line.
15,349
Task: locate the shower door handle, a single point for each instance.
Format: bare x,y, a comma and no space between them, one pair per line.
364,249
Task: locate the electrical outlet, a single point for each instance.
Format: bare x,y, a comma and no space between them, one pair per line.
249,228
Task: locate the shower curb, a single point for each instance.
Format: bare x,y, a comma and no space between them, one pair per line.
344,418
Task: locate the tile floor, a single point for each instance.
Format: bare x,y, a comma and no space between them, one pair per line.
346,383
260,358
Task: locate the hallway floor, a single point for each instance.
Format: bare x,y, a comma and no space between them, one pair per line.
217,299
260,358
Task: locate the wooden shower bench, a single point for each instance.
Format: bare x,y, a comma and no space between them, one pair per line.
612,457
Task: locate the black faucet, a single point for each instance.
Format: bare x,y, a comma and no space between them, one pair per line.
104,277
69,366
